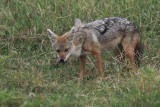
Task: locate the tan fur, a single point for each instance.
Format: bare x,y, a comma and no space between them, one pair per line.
129,48
62,38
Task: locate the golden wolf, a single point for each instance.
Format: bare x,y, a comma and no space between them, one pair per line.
114,33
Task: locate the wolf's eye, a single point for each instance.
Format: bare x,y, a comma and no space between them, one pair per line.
66,50
58,50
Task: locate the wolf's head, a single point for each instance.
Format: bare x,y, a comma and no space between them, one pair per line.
62,45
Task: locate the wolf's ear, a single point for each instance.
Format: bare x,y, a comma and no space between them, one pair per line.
71,34
78,22
52,36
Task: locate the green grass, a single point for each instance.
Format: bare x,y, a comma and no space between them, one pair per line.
29,77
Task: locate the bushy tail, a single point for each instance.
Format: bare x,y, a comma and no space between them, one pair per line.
139,53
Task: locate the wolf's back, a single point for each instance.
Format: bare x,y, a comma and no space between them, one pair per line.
110,25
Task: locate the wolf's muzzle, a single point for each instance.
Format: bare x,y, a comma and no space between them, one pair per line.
62,61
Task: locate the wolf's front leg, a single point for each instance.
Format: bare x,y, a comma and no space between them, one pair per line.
97,55
82,66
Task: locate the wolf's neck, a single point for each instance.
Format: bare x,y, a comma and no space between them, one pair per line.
76,51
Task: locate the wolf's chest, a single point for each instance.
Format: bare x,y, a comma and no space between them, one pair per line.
76,51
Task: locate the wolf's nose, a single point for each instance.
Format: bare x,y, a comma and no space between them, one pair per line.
62,60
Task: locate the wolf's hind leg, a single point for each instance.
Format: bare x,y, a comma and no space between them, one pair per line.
129,51
129,44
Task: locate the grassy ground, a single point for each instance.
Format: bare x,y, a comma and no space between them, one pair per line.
29,77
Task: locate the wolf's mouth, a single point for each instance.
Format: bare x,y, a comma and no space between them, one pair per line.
61,61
